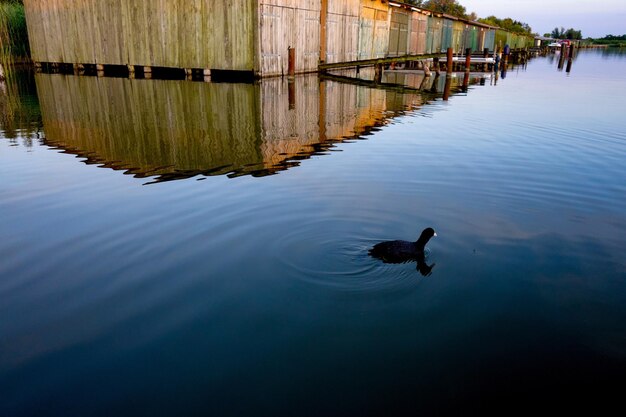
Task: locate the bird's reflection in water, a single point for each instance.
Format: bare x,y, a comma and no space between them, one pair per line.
401,251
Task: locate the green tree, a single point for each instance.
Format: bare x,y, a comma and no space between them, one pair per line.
558,33
508,24
573,34
451,7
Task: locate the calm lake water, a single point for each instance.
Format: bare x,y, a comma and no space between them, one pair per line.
182,248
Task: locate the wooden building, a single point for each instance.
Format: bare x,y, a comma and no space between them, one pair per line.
340,31
261,37
212,34
417,32
373,29
399,35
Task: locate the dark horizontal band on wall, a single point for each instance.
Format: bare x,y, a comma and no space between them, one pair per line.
146,72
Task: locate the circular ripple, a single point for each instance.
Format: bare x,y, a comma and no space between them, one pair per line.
322,254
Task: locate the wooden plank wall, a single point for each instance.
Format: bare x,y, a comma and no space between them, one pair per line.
252,35
217,34
399,31
289,23
419,28
373,29
435,26
490,38
342,30
458,28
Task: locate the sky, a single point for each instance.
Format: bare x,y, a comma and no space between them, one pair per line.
594,18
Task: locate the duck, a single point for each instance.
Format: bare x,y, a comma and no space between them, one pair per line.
402,251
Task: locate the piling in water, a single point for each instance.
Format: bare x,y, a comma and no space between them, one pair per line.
447,87
450,61
378,73
292,61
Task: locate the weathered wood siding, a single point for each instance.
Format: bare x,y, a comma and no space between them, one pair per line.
217,34
399,31
250,35
490,38
342,30
285,24
458,28
481,39
373,29
419,27
501,39
433,39
470,37
447,34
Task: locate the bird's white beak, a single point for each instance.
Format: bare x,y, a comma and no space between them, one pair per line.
435,234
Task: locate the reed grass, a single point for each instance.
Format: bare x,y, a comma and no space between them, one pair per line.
13,46
13,34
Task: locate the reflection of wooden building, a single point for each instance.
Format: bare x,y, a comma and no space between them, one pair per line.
177,129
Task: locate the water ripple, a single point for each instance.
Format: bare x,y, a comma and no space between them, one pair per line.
335,261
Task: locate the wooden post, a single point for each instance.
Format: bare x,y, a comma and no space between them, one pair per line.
436,65
468,59
291,91
450,61
378,73
562,57
426,69
323,18
322,111
466,81
292,61
433,88
446,89
486,55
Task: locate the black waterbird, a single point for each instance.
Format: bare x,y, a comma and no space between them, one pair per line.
401,251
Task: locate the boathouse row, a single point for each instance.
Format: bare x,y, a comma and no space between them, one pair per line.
246,35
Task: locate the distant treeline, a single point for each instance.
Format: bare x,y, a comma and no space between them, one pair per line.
561,33
452,7
611,40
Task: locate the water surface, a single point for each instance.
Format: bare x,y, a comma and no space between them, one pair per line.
129,287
